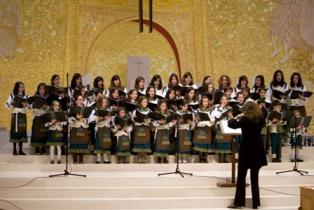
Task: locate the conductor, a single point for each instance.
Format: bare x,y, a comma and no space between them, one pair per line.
251,152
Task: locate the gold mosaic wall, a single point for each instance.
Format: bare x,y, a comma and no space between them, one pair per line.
95,36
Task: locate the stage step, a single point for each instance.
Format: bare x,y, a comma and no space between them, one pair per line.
136,186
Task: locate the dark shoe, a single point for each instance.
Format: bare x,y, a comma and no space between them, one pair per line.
59,161
21,152
52,162
125,160
255,207
14,152
97,162
165,160
299,160
43,151
119,159
159,160
74,158
235,207
107,162
37,152
81,158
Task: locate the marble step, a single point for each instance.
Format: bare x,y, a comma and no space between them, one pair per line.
140,192
111,182
101,202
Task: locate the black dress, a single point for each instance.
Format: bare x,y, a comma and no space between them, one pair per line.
251,156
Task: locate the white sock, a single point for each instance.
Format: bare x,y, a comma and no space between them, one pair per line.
98,157
298,154
106,157
274,155
58,152
52,152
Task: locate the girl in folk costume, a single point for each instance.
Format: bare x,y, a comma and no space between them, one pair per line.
224,83
17,101
191,97
152,98
229,93
162,132
139,85
115,83
78,125
246,94
264,132
202,138
157,83
184,131
297,136
222,111
76,84
100,86
242,83
172,82
187,81
277,84
171,100
142,130
55,133
103,126
131,101
275,122
297,102
115,99
206,80
259,83
39,131
208,90
122,131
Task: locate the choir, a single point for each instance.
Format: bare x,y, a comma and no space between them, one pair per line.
178,117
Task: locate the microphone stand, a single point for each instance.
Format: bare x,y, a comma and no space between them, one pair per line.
177,170
294,125
66,171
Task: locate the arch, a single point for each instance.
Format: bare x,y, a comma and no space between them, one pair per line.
160,29
169,38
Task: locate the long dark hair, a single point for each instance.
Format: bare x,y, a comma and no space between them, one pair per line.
74,78
299,84
137,82
241,78
113,78
205,78
185,75
53,78
42,84
261,77
220,81
96,80
170,78
275,83
154,78
16,88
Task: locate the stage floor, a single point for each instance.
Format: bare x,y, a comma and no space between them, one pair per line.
137,186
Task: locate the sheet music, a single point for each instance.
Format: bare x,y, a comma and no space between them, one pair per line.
226,130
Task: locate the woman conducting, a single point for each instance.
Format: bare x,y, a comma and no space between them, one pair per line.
251,152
